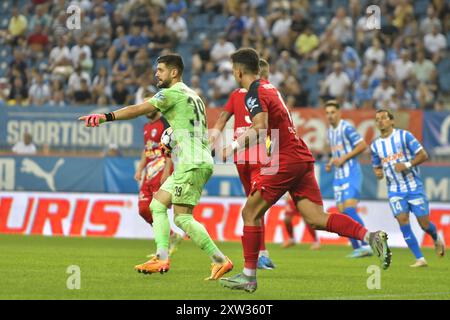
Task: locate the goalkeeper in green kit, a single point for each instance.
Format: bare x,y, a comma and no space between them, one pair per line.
185,112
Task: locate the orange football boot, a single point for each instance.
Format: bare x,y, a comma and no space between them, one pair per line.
153,265
219,269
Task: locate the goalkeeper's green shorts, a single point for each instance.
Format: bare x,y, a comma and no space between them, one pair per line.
186,186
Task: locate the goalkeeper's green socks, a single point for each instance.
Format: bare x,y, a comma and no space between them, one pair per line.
161,229
198,234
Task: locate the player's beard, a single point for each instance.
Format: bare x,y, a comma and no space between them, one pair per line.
163,84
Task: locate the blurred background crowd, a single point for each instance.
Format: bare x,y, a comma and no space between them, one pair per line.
317,49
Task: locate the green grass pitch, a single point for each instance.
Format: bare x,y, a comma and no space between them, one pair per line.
33,267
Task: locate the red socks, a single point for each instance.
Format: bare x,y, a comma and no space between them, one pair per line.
345,226
263,240
251,244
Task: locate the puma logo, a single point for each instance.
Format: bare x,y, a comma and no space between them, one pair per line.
29,166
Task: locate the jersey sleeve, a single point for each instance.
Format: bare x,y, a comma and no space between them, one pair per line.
352,135
412,143
376,161
253,102
229,106
161,100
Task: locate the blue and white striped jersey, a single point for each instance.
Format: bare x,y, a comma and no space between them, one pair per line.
400,146
343,140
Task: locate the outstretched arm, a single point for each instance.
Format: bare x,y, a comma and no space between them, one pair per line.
126,113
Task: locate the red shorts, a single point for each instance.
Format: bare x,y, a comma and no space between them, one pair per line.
248,173
296,178
148,189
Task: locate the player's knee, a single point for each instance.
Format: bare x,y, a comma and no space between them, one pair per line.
181,220
402,219
317,220
157,207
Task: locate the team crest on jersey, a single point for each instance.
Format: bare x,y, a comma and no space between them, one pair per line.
251,104
159,95
153,134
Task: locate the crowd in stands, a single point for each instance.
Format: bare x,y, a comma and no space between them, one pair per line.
316,50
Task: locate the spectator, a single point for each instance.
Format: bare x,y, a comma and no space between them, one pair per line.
17,26
99,40
142,63
136,41
19,64
76,79
146,88
383,95
160,39
39,92
122,68
435,42
195,85
424,70
120,95
57,99
224,83
60,59
286,63
18,95
85,62
280,30
41,18
363,93
342,26
403,9
431,21
256,26
83,95
178,26
306,43
119,44
178,6
375,52
292,88
337,83
101,83
276,77
353,71
222,50
201,60
424,97
402,99
401,69
235,27
38,41
76,50
25,147
101,21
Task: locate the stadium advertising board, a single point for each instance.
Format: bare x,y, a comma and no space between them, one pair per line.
116,215
115,175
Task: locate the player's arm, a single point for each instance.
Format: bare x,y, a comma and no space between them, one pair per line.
218,126
376,162
415,148
260,122
126,113
141,165
359,146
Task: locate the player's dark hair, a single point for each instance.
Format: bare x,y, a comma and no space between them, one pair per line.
172,60
389,113
248,58
332,103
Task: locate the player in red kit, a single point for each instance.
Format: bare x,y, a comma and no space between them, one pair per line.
156,168
289,214
246,162
290,169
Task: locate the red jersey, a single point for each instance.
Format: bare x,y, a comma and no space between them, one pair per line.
242,120
154,157
262,96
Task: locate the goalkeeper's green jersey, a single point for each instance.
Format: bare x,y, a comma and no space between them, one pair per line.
186,114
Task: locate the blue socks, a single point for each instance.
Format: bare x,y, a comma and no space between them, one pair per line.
351,212
432,231
411,240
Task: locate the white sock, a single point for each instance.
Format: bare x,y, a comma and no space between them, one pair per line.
264,253
249,272
163,254
366,237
